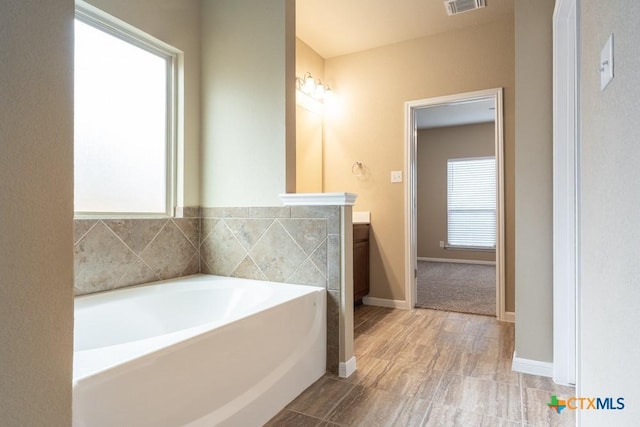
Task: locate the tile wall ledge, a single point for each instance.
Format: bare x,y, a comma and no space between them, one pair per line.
318,199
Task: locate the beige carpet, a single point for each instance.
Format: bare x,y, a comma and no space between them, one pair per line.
466,288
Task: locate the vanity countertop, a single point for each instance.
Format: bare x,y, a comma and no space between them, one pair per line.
362,217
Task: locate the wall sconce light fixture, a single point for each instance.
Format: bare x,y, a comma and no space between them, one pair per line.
313,88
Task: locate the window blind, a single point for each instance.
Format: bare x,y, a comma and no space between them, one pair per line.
471,202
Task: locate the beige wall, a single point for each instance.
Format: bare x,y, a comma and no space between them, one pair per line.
610,288
309,124
308,61
248,102
534,192
366,124
36,212
308,150
177,23
435,147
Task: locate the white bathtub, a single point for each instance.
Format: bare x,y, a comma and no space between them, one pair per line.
197,351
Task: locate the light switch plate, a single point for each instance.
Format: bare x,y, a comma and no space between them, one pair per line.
606,64
396,176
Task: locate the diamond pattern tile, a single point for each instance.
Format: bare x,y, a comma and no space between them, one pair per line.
308,233
319,258
81,227
193,266
277,255
136,233
221,251
308,274
268,245
206,226
169,253
248,269
248,231
190,227
100,260
138,273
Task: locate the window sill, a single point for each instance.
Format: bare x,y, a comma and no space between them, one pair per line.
468,248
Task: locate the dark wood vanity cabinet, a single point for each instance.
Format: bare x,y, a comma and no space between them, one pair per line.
360,262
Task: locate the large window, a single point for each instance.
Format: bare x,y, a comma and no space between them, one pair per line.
471,202
124,109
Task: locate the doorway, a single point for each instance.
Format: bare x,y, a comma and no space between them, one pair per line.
412,116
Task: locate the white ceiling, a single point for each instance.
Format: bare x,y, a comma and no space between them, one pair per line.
339,27
456,114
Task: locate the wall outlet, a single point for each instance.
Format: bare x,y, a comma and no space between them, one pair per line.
396,176
441,244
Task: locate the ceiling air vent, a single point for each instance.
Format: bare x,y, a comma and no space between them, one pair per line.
458,6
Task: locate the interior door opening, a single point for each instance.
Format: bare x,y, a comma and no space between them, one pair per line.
477,107
456,214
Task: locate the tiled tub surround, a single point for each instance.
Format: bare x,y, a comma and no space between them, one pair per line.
273,244
291,244
114,253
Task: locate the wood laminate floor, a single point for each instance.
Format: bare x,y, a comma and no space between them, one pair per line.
429,368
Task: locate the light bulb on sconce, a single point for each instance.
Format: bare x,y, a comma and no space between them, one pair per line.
328,94
308,84
313,88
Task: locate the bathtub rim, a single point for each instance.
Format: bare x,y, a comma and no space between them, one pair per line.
181,338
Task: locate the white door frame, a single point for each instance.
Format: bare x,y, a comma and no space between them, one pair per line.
411,207
566,185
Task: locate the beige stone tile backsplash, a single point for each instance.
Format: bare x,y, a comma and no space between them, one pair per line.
220,251
277,254
299,244
280,244
113,253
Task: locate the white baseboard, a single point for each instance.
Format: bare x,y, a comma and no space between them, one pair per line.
382,302
509,316
456,261
345,369
532,367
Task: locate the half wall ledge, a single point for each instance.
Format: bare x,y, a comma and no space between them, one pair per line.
343,304
318,199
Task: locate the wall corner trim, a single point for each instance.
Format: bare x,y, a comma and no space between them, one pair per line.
532,367
509,316
345,369
389,303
